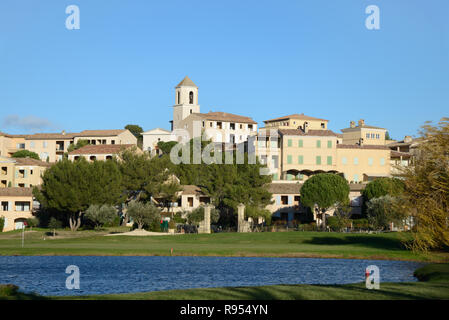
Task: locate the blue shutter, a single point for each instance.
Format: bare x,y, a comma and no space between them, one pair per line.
278,200
290,200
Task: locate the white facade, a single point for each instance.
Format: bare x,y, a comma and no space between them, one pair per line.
152,137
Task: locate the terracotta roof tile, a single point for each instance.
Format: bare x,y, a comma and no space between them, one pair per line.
191,190
31,162
101,149
313,133
366,146
224,116
295,116
186,82
284,188
99,133
16,192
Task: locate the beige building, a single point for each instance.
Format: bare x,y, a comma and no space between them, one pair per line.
16,205
51,147
297,154
95,137
297,121
152,137
369,135
21,172
100,152
11,143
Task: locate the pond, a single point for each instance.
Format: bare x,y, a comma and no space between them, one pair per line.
118,274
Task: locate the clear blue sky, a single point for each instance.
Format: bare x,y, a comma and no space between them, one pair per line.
262,59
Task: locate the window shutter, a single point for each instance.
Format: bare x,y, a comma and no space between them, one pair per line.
10,206
290,200
278,200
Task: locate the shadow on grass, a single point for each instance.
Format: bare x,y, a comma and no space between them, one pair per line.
366,241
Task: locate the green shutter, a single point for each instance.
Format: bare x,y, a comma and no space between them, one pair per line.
289,141
300,143
318,159
329,143
289,159
329,160
318,143
300,159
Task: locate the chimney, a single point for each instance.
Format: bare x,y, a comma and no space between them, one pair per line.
408,139
306,127
361,142
352,124
361,123
63,132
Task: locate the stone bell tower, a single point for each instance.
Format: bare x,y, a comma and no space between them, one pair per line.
186,101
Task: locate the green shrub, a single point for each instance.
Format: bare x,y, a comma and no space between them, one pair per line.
360,224
171,224
54,223
8,290
2,223
33,222
337,223
307,227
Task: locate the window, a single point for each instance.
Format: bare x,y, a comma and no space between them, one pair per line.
367,135
356,178
191,97
329,160
22,206
289,159
284,199
112,141
289,142
323,125
219,125
21,146
318,143
344,160
232,126
356,160
275,176
370,161
329,144
4,205
241,126
300,159
190,111
32,144
190,201
377,136
250,127
318,159
179,97
289,176
300,143
382,161
45,144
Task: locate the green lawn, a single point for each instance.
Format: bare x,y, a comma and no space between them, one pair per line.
434,284
269,244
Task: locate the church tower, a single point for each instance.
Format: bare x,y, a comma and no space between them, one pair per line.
186,101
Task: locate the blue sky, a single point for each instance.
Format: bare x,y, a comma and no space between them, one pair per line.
262,59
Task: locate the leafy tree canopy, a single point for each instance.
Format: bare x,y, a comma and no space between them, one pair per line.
25,154
71,187
382,187
79,144
427,188
135,129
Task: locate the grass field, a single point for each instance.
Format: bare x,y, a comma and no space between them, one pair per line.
434,284
269,244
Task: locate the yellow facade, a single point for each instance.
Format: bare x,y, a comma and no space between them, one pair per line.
21,172
16,205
